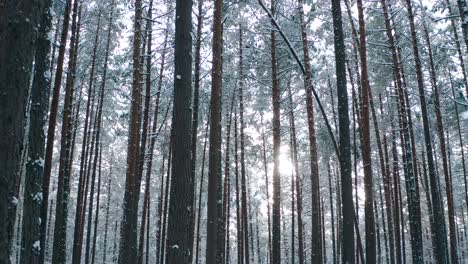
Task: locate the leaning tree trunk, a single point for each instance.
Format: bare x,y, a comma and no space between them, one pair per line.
443,150
52,125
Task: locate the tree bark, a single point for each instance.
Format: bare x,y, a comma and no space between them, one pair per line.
346,190
128,228
30,249
180,234
214,154
276,213
314,176
365,141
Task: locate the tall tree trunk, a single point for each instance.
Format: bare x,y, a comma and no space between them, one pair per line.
180,234
365,141
214,156
30,249
196,106
346,191
196,91
276,213
439,232
128,228
334,258
314,176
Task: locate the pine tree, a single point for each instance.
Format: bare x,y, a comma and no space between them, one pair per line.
276,223
30,249
347,210
128,228
180,235
214,160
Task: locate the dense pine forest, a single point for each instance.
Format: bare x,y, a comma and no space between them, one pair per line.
233,131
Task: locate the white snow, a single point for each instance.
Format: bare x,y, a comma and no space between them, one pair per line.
14,200
175,246
178,77
39,162
37,197
37,246
47,74
464,115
